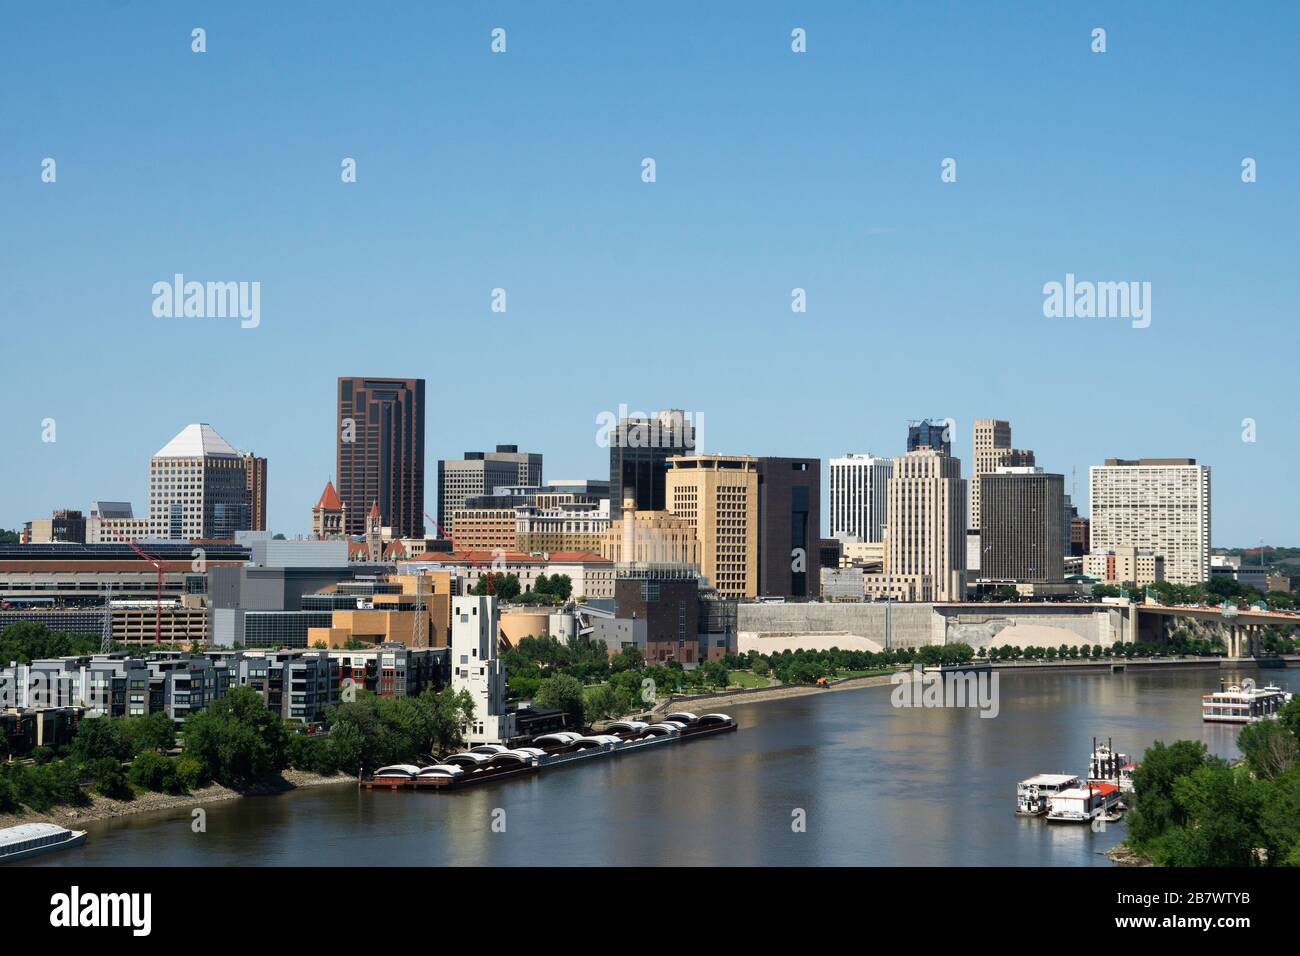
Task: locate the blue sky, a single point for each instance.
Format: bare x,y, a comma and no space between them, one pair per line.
774,171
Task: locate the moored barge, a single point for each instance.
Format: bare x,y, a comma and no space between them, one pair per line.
488,762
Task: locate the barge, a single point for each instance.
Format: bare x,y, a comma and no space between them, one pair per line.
488,762
33,839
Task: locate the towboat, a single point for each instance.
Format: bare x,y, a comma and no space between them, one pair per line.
1239,704
32,839
1033,796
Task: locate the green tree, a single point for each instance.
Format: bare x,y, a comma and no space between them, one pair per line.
562,692
237,739
153,771
1154,807
109,778
1269,748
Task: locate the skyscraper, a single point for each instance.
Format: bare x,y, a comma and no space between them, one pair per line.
1160,505
930,434
1022,538
255,487
381,453
927,524
639,449
789,527
992,450
718,495
197,487
859,488
480,473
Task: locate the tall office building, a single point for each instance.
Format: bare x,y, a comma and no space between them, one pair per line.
1160,505
859,489
926,539
992,450
789,527
639,449
381,453
1022,537
255,488
930,434
718,495
481,473
197,487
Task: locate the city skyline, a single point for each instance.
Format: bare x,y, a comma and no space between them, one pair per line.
300,526
775,172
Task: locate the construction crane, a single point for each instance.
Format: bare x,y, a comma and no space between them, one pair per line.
158,566
487,572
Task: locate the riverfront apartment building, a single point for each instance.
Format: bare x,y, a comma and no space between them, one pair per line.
789,527
255,489
1022,539
992,450
639,449
197,487
380,453
1160,505
926,539
859,496
481,473
718,495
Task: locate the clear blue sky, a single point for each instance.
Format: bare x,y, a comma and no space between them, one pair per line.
775,171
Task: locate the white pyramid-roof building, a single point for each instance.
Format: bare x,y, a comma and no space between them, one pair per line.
197,441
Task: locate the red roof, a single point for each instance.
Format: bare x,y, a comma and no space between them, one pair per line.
329,498
374,509
512,557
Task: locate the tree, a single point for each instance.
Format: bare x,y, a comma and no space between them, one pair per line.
1154,808
237,739
562,692
109,778
601,703
155,731
99,737
1269,747
153,771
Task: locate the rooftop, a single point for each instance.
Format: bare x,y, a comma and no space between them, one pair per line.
197,441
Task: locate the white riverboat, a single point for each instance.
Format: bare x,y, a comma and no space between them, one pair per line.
1243,704
1083,804
1033,796
32,839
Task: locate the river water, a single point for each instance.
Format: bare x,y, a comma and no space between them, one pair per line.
874,785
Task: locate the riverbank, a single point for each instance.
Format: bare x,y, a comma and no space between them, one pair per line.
106,808
776,692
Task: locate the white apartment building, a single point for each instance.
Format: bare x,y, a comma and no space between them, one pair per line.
197,487
476,668
1159,505
859,496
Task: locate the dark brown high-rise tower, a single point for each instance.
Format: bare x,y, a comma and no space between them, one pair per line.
380,438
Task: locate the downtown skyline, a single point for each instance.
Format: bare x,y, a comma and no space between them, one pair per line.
775,172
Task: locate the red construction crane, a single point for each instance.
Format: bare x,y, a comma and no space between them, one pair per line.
158,565
487,577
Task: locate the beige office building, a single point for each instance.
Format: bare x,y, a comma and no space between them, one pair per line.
561,525
992,450
650,538
718,495
1124,566
926,527
1160,505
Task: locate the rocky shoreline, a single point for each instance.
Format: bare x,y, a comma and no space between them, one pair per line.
1122,855
106,808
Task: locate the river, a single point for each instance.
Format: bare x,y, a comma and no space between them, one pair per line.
876,785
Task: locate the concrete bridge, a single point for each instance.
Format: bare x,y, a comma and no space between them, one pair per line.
1244,629
771,628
